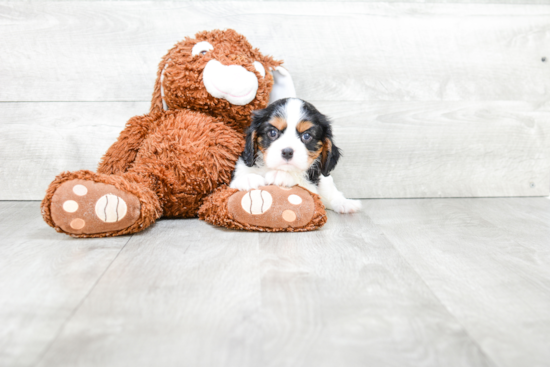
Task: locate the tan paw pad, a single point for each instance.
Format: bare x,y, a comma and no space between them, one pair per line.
77,223
295,200
289,215
70,206
80,190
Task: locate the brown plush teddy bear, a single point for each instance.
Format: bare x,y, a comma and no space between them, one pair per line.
166,163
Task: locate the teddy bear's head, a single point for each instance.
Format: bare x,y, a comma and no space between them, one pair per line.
218,73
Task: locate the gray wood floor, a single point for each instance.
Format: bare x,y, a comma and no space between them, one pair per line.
409,282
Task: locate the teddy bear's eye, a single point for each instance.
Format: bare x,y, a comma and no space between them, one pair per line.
201,48
260,68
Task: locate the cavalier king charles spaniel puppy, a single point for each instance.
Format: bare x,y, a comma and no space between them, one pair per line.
290,143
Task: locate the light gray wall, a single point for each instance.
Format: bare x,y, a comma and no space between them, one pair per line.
428,100
523,2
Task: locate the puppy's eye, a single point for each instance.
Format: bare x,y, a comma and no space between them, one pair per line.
273,134
306,138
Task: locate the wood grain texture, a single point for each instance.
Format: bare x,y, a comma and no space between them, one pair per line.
107,51
526,220
343,296
442,149
374,1
181,293
391,149
185,292
43,278
487,261
410,282
425,97
40,140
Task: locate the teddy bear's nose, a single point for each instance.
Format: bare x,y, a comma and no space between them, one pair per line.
231,82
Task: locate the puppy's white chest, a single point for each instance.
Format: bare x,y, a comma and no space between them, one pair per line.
303,181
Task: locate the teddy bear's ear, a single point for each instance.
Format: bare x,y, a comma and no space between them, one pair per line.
283,86
158,105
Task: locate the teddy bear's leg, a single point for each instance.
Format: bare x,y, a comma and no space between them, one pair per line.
120,156
268,209
187,157
88,204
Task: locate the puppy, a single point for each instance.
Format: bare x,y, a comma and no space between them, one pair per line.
290,143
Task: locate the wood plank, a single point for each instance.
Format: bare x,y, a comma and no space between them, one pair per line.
442,149
185,292
526,220
107,51
386,1
343,296
40,140
181,293
44,276
391,149
439,282
495,280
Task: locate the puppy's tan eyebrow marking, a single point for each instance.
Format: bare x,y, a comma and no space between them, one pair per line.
279,123
303,126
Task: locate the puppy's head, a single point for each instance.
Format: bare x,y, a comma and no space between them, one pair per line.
291,135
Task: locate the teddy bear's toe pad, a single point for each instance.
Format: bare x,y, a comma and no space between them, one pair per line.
80,206
272,207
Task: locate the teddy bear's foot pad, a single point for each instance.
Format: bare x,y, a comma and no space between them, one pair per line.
88,207
272,207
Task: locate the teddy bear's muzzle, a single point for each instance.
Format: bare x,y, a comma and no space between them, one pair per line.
231,82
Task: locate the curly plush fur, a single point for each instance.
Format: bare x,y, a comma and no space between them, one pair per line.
171,160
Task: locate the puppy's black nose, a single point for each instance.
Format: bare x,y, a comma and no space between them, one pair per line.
288,153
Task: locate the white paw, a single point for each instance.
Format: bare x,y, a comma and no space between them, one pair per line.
343,206
247,182
280,178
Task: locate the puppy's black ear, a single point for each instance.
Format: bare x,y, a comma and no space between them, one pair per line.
251,142
329,156
249,153
330,153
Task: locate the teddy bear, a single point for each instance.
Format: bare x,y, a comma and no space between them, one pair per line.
177,160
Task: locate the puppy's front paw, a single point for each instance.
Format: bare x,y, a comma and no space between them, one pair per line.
344,205
280,178
247,182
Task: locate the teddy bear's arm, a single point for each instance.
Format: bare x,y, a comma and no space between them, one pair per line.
120,156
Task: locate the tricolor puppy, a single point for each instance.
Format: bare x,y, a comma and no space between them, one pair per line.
290,143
